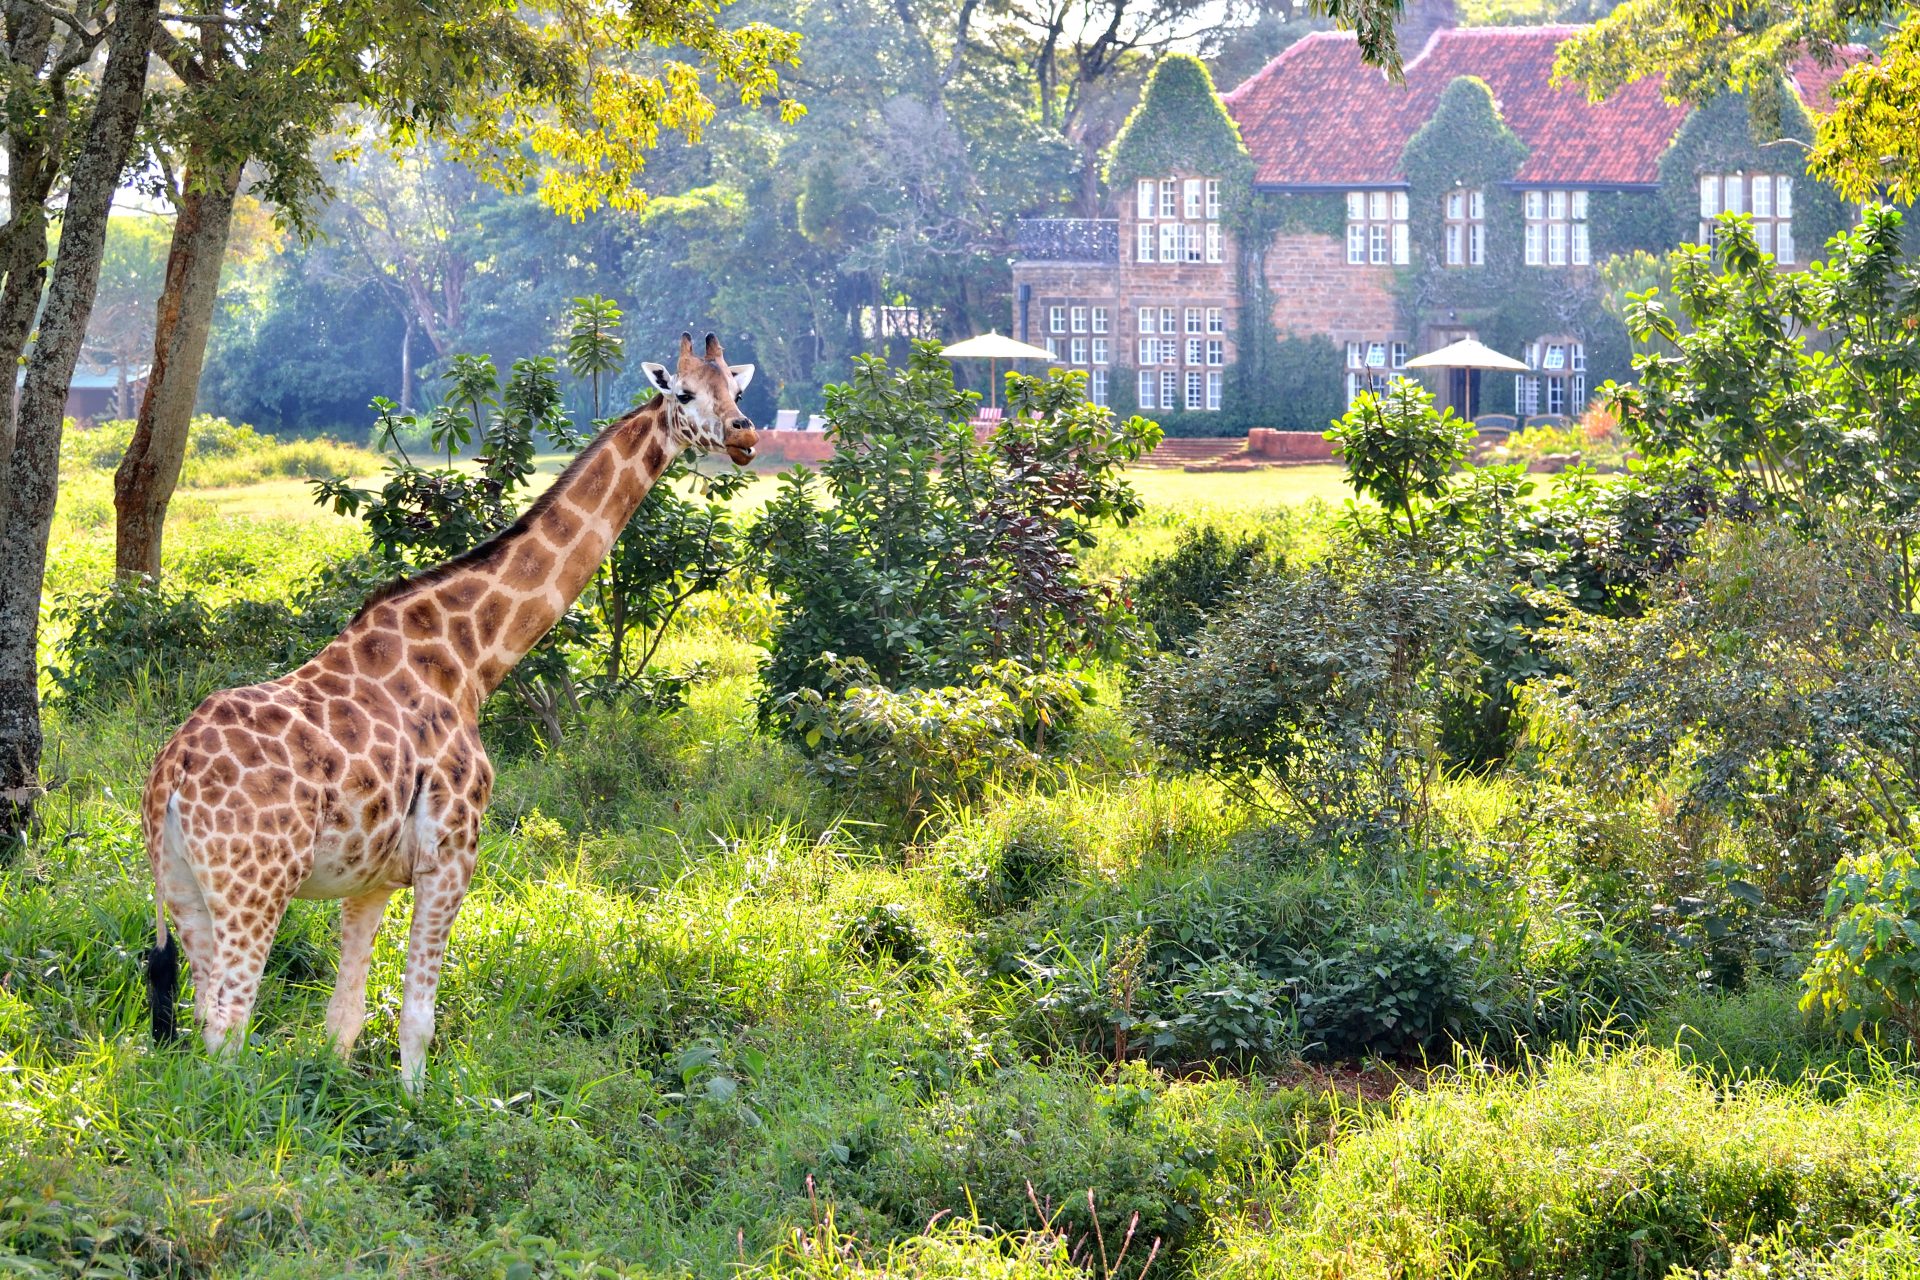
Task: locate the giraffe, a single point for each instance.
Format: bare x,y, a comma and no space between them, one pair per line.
362,771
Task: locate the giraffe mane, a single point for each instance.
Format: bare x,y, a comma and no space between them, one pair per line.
482,554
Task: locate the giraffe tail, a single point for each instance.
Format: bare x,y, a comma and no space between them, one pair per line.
163,960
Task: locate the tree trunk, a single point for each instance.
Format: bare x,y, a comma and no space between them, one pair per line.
33,469
144,483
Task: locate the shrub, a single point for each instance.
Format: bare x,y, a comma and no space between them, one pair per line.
886,931
913,747
1317,694
1398,451
1177,592
1768,683
1868,968
930,553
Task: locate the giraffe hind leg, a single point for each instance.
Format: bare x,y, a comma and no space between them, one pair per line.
244,921
181,904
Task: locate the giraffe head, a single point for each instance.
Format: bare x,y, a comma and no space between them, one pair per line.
701,391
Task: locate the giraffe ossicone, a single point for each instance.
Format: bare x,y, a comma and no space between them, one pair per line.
362,772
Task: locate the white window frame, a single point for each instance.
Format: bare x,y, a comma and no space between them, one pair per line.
1147,351
1377,234
1194,192
1556,228
1213,198
1215,385
1053,348
1169,388
1216,319
1143,199
1196,391
1097,387
1169,320
1101,351
1196,351
1077,351
1216,244
1101,317
1077,319
1169,197
1144,320
1056,319
1143,242
1143,389
1216,352
1170,241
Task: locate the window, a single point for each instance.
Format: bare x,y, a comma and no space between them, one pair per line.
1196,393
1398,354
1556,228
1169,198
1190,238
1213,198
1099,319
1079,318
1377,228
1168,320
1056,319
1466,229
1194,315
1558,383
1149,352
1766,197
1194,188
1146,320
1196,350
1143,242
1216,320
1097,388
1169,351
1169,388
1216,249
1053,348
1077,351
1170,241
1186,212
1147,384
1367,367
1100,351
1216,351
1143,197
1214,381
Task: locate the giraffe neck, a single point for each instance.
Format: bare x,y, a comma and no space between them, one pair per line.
484,610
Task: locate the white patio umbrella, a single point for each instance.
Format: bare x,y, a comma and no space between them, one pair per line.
993,348
1468,353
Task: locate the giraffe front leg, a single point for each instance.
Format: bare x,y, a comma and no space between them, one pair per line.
347,1011
436,900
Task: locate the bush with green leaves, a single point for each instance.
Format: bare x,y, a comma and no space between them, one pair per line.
1177,592
1768,684
1736,381
1867,970
911,748
1318,694
925,552
1399,451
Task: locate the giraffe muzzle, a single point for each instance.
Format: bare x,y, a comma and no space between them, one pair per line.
739,442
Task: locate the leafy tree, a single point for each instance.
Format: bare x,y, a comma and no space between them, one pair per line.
1398,451
47,46
593,342
931,552
1742,389
1703,48
554,92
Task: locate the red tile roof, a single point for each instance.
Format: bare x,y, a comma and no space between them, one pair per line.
1317,116
1814,82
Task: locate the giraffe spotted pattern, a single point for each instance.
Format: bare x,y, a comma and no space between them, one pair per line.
362,772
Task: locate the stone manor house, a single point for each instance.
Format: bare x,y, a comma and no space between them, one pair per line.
1277,250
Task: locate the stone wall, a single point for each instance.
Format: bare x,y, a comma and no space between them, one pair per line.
1317,293
1288,446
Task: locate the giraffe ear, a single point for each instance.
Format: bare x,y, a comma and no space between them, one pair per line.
742,375
658,378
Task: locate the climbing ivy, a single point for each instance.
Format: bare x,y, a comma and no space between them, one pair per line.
1725,136
1180,126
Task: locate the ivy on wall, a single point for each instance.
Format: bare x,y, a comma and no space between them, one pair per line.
1467,145
1725,136
1180,126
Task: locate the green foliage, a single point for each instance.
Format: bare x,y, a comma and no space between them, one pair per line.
1752,132
1768,680
592,342
1398,450
916,746
1180,126
924,572
1742,389
219,453
1318,693
1495,1172
1868,968
1177,592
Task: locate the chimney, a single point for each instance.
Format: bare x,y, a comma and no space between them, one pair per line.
1422,19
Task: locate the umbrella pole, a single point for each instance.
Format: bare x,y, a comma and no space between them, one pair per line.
993,383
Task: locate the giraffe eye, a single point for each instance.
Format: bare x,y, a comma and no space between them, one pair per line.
685,396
